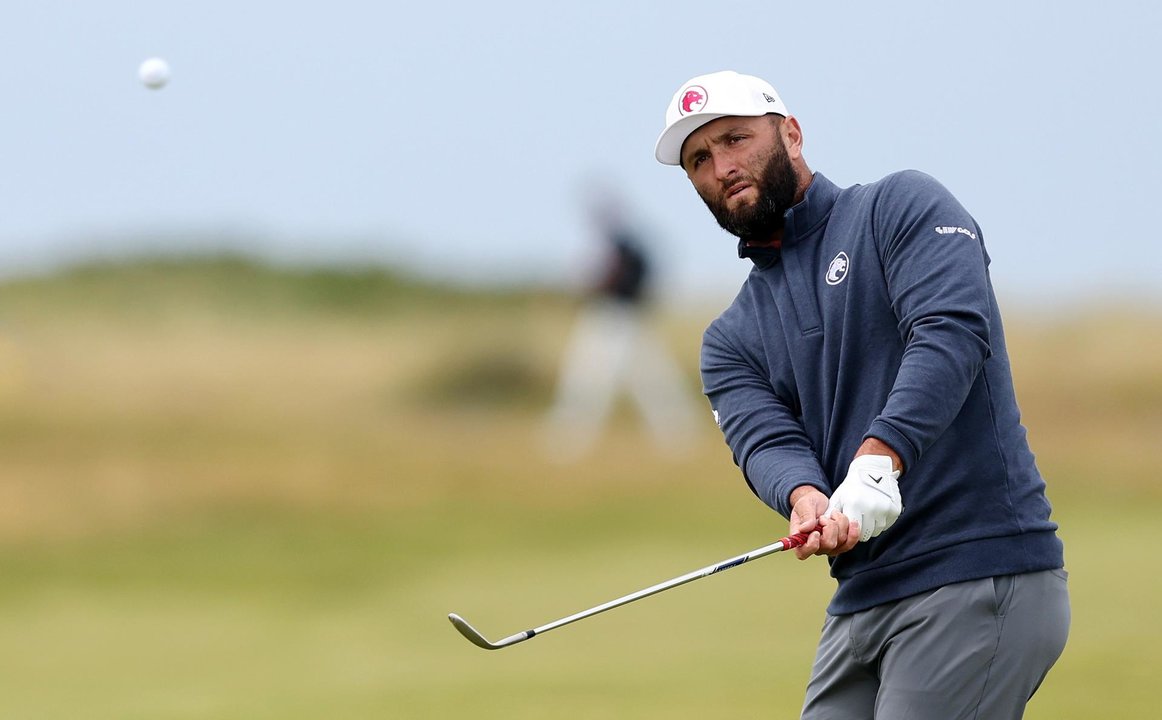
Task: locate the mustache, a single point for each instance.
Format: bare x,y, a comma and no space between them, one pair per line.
728,186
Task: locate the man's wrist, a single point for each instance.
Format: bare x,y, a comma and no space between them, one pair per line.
875,446
799,492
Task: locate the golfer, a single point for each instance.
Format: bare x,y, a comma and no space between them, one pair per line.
861,380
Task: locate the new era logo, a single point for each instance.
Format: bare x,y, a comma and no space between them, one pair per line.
769,98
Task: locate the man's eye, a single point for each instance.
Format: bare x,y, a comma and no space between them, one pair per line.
698,160
735,139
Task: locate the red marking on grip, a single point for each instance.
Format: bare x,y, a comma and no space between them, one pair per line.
794,541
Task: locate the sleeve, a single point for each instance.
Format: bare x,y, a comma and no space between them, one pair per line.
769,443
936,271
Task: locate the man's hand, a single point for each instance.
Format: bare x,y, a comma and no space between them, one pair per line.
837,535
868,495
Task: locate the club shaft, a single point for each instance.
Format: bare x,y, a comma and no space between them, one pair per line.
785,543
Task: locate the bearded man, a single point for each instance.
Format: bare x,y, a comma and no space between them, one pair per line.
861,380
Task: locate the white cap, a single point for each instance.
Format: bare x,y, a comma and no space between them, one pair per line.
709,97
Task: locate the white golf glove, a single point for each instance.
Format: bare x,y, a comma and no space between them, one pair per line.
868,495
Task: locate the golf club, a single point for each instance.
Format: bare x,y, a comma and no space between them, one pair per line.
479,640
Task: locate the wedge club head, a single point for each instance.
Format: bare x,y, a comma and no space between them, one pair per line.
479,640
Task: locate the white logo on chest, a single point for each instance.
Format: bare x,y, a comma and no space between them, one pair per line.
837,270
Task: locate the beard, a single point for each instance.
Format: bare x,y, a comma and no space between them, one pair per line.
776,185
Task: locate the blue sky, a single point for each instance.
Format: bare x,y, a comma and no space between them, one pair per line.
454,137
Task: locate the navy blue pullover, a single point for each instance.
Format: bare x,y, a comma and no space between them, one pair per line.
877,319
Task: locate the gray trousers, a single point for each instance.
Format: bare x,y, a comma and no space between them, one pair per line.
976,649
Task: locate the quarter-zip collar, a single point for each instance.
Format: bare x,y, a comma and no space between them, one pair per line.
761,255
800,220
816,205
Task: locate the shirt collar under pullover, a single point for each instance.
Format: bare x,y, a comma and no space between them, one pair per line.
801,219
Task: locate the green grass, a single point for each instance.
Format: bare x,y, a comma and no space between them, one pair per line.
228,494
285,613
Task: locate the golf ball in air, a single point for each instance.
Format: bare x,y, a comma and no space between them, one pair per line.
154,73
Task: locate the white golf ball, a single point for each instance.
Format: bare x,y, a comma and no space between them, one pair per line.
154,73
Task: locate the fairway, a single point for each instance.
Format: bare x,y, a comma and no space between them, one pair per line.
237,492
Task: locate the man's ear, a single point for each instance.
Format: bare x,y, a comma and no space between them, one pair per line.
792,137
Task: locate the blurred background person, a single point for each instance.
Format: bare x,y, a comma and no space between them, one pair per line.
614,348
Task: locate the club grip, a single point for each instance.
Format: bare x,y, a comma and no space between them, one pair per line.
794,541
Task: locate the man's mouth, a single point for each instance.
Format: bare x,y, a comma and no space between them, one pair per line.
736,189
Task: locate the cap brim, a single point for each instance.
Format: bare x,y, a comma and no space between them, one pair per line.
668,150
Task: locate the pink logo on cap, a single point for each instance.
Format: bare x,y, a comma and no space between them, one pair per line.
693,99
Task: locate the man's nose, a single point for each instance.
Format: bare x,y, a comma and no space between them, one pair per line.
725,166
